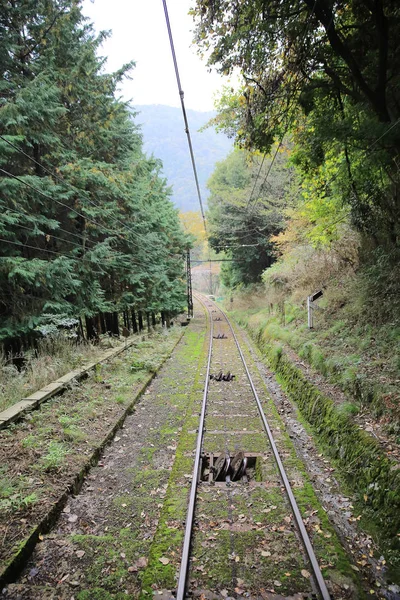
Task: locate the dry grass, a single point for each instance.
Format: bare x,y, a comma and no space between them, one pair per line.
304,269
55,357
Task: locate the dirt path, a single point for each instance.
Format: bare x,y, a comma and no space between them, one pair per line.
101,542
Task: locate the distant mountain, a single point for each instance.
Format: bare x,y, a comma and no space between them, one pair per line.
165,137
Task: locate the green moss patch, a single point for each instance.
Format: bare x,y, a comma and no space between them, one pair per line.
372,477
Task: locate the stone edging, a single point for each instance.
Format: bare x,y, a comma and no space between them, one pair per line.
18,410
17,562
373,477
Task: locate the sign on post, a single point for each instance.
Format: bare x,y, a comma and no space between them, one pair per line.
310,307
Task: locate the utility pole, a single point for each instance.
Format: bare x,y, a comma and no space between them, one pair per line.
189,285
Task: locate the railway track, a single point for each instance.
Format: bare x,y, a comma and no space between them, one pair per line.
147,523
239,474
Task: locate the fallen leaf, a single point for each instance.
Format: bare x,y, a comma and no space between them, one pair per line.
80,553
305,573
277,583
164,560
287,519
142,562
72,518
265,553
132,569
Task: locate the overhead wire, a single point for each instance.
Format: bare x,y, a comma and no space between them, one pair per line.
18,178
96,223
134,261
286,128
139,237
67,183
85,239
181,95
55,237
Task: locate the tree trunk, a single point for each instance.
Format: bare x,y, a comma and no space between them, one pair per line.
115,324
103,323
109,322
153,320
140,317
91,332
148,322
134,322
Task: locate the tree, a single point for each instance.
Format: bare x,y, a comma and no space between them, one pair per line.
327,71
245,210
86,223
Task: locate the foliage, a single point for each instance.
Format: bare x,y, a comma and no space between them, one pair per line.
86,222
329,73
245,211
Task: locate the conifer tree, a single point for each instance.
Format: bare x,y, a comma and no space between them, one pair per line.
86,224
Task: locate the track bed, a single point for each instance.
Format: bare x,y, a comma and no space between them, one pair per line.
123,535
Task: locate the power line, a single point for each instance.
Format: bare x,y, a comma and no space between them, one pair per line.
139,237
72,209
19,226
255,182
287,124
21,244
63,255
63,181
269,169
58,201
25,214
181,95
138,263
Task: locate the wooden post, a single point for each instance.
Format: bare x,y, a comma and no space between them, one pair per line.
310,313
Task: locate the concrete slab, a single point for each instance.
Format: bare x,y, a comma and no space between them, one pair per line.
15,410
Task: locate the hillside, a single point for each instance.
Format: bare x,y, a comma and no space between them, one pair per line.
164,136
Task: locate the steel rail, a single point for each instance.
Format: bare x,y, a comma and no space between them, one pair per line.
190,514
180,594
296,512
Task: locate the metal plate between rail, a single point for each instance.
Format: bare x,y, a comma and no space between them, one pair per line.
195,477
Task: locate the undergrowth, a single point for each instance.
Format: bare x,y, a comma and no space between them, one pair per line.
55,356
355,340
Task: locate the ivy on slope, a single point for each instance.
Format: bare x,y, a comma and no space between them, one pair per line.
86,224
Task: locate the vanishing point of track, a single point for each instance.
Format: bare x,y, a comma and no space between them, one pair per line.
231,467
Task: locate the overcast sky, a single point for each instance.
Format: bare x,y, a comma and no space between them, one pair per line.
139,33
